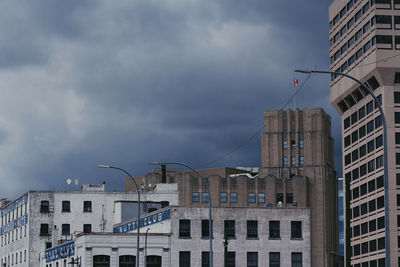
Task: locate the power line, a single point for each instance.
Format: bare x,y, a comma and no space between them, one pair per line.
259,129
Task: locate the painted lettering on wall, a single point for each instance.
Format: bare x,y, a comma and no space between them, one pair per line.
60,252
145,221
14,224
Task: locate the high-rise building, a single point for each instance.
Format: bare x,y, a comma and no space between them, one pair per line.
341,218
365,35
297,159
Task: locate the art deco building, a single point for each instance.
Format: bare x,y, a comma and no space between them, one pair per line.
365,39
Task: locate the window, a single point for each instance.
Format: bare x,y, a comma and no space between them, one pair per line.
101,261
233,198
296,229
229,228
346,123
274,229
44,206
205,259
44,229
354,155
252,259
252,229
124,261
351,41
66,206
397,158
363,150
354,136
356,174
205,229
87,206
87,228
380,202
297,259
274,259
397,94
356,192
252,198
371,186
184,258
184,228
397,138
285,161
279,197
371,205
371,145
347,141
379,161
397,117
370,107
358,35
301,143
381,243
224,197
301,160
65,229
358,15
204,197
231,261
370,126
371,166
195,197
261,197
293,144
284,144
293,160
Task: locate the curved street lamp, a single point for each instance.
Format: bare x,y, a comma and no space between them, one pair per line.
385,154
209,201
138,211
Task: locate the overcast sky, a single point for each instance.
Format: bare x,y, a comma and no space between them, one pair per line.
128,82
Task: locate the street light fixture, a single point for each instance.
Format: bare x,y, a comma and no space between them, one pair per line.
210,228
385,154
138,211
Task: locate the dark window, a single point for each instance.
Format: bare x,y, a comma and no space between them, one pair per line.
205,229
397,158
398,200
347,141
372,245
205,259
372,225
363,189
349,4
153,261
364,208
233,197
356,212
229,228
363,150
184,228
65,229
252,198
358,15
87,228
397,117
289,198
379,182
356,250
296,229
354,155
371,166
351,60
363,170
381,243
371,205
370,107
356,231
355,174
379,161
127,261
351,41
354,117
195,197
365,7
371,186
384,39
397,139
87,206
184,258
231,261
342,12
367,46
378,141
354,136
252,259
364,249
204,197
261,197
347,159
224,197
44,229
297,259
397,178
48,245
101,261
370,126
274,229
66,206
362,131
356,193
274,259
346,123
252,229
397,94
359,53
279,197
44,206
361,113
380,202
378,122
371,146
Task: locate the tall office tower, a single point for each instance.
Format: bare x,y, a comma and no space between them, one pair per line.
297,159
365,35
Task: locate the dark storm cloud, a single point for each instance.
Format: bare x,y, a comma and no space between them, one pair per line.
128,82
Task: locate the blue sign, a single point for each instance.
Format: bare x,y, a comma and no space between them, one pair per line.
60,252
145,221
14,224
14,205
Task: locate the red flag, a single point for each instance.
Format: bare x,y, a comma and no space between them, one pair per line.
296,82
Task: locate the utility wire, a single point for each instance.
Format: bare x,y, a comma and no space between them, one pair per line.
259,129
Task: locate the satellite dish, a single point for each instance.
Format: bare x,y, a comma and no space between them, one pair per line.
76,181
69,181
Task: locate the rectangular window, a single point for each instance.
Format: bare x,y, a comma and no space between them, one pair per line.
371,166
289,198
397,117
379,182
252,198
284,144
371,205
274,259
301,143
44,229
87,228
296,231
231,261
354,155
195,197
293,160
224,197
87,206
233,197
346,123
371,146
205,259
204,197
184,258
274,229
354,117
252,229
261,197
252,259
362,132
356,174
371,186
65,229
397,138
66,206
184,228
205,229
370,126
301,160
397,158
44,206
297,259
358,15
370,107
229,229
363,151
279,197
379,162
285,161
397,94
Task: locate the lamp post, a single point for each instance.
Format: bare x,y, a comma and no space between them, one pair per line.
209,201
385,154
138,211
